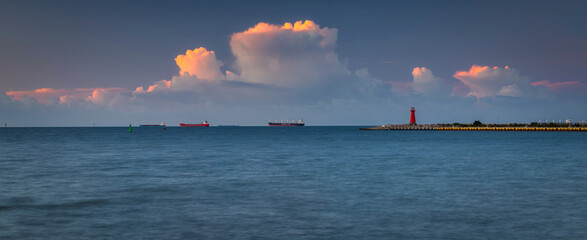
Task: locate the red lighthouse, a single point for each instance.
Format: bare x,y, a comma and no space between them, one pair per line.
413,116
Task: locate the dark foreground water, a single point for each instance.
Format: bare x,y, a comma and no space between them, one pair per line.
291,183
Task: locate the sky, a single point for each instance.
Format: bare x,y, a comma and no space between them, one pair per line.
111,63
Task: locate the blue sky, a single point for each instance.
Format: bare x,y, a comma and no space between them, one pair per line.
75,63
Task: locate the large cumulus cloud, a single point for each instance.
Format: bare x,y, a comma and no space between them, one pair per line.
290,62
201,63
195,67
295,55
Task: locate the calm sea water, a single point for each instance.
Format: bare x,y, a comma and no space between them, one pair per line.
291,183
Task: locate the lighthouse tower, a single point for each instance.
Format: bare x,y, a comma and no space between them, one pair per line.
413,116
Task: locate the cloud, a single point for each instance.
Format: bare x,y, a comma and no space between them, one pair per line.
560,87
65,96
198,68
292,55
401,87
294,63
275,64
485,81
201,63
101,96
290,71
510,91
195,67
159,85
425,83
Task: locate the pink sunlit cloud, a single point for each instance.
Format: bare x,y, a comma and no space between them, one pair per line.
289,55
559,87
66,96
44,95
200,62
485,81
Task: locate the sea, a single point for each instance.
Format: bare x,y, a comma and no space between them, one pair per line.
290,183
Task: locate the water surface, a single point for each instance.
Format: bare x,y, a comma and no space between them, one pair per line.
291,183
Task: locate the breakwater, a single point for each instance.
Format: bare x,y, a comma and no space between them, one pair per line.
431,127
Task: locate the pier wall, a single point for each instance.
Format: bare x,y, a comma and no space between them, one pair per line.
506,129
514,129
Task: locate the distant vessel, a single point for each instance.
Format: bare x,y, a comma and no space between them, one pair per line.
153,125
203,124
299,123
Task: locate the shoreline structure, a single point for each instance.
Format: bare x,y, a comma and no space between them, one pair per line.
488,127
568,126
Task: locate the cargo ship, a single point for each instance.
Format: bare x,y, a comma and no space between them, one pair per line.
153,125
202,124
299,123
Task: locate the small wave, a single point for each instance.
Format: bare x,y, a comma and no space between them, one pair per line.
28,204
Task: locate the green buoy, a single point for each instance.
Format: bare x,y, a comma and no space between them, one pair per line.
129,128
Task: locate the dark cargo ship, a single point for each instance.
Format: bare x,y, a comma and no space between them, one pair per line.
153,125
203,124
299,123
